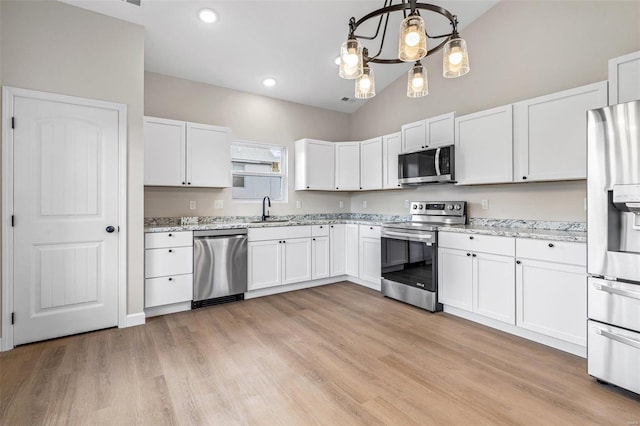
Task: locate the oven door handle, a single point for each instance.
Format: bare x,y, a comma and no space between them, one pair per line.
438,162
408,237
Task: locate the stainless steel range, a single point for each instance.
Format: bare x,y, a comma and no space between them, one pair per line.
409,252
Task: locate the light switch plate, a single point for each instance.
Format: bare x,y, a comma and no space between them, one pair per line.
485,204
364,204
341,204
186,220
218,204
298,204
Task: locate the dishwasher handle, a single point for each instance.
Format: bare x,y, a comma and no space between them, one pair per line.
241,232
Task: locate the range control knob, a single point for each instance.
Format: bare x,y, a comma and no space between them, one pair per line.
458,207
420,206
450,206
414,207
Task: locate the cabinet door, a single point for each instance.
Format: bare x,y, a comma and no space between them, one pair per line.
414,136
624,78
315,165
391,147
370,260
320,257
337,238
208,156
551,299
164,152
296,260
484,146
352,247
347,166
264,259
440,130
550,134
371,164
494,287
455,278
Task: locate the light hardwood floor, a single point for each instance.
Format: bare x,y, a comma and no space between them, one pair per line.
335,355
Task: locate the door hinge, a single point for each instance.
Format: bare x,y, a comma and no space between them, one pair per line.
13,122
13,221
13,318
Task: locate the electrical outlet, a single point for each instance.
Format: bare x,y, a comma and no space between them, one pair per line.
485,204
218,204
192,205
364,204
298,204
341,203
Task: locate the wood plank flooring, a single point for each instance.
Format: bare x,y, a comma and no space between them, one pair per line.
334,355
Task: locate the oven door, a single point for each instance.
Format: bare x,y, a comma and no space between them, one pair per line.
409,258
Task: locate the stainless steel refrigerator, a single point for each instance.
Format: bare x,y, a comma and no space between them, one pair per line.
613,224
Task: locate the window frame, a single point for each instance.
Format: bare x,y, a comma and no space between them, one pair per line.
284,169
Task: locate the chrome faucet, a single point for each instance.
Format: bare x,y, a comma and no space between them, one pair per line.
265,212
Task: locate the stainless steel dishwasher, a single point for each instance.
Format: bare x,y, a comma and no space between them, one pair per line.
219,266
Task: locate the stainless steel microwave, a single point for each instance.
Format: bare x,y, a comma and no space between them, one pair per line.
428,166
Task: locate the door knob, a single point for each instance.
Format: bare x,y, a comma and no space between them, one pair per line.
110,229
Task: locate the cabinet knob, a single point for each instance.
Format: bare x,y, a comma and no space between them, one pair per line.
284,242
320,226
518,262
551,245
337,187
332,226
307,187
188,183
399,185
170,279
474,255
313,239
360,187
471,238
171,235
468,254
371,227
524,178
170,251
184,183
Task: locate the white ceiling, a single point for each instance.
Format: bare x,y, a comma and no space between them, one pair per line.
293,41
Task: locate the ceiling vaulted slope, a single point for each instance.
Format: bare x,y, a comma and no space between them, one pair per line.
293,41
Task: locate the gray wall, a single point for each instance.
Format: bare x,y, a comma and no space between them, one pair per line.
253,118
53,47
518,50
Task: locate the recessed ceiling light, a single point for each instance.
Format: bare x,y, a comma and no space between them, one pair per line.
337,60
207,16
269,82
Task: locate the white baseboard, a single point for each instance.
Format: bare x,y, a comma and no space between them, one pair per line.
292,287
572,348
135,319
369,284
168,309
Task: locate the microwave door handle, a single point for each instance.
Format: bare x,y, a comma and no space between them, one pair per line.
438,162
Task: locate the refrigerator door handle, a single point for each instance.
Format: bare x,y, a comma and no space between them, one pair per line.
618,291
618,338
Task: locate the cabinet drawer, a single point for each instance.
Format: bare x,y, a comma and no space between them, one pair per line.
166,290
552,251
478,243
369,231
168,239
278,233
320,230
168,261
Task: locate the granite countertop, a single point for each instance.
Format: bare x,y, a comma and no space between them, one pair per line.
503,231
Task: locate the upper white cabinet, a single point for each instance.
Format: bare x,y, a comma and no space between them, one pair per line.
624,78
550,134
371,164
347,166
430,133
186,154
484,146
391,147
315,165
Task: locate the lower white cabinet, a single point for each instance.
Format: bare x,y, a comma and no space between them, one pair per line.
551,295
296,260
337,250
369,258
168,268
320,258
277,262
476,274
352,249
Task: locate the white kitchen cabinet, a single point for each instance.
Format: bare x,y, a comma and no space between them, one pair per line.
624,78
186,154
551,293
347,163
430,133
391,147
337,251
315,165
168,268
484,146
550,134
265,264
320,257
369,259
476,274
352,249
371,164
296,260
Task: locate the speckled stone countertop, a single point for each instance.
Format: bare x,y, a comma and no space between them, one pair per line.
241,222
541,230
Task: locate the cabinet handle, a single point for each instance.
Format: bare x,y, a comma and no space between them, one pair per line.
474,255
524,178
471,238
320,226
337,187
307,187
188,183
468,254
170,251
551,245
313,239
171,235
170,279
184,183
518,262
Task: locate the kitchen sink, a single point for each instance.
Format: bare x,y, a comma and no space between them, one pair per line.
270,221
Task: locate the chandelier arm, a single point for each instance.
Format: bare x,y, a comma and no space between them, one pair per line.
404,6
373,37
398,61
384,33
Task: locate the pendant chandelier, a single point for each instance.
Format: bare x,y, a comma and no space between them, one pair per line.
412,47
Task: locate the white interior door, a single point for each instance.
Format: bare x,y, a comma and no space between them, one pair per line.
66,195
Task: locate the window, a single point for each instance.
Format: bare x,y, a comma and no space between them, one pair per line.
258,170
